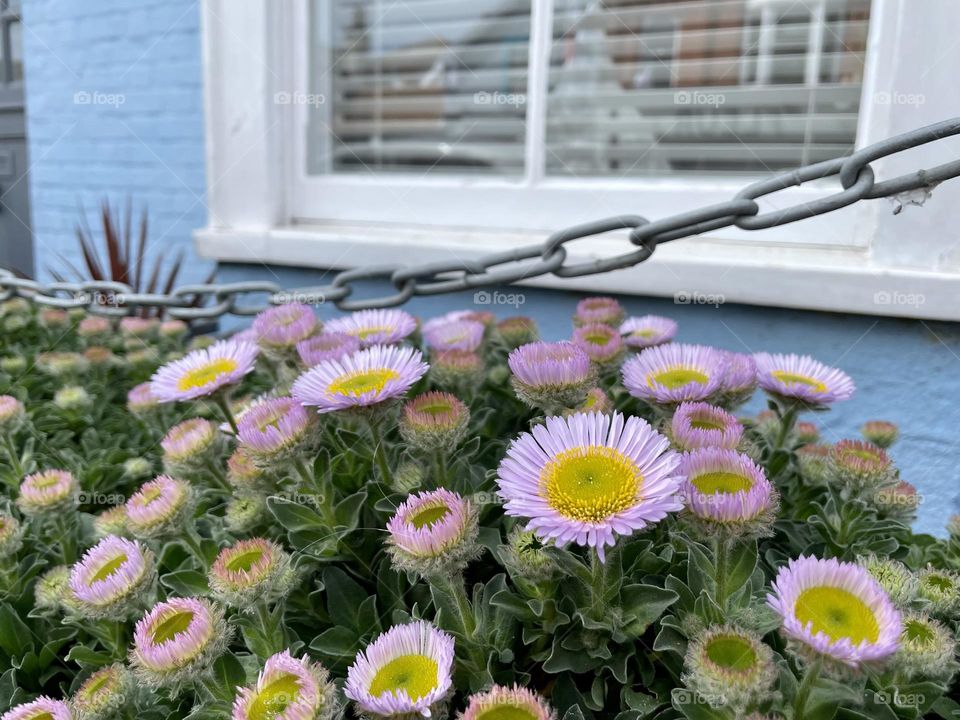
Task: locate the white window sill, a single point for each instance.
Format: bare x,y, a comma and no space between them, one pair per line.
692,270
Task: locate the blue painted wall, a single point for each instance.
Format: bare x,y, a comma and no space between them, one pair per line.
114,109
906,371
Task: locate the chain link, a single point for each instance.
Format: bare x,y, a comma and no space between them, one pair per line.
208,301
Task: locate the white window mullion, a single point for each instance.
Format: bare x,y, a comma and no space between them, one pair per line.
538,75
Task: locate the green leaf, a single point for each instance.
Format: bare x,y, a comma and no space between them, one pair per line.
15,636
345,598
228,675
186,583
642,605
84,656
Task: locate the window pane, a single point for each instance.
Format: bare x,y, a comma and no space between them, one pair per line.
417,86
661,87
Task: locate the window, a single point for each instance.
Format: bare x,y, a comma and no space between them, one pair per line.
343,132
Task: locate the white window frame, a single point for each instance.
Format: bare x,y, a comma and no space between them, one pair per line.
264,208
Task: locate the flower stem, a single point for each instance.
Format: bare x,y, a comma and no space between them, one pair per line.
221,400
268,629
192,541
440,465
453,587
14,457
326,494
63,525
598,573
720,551
380,453
810,677
787,421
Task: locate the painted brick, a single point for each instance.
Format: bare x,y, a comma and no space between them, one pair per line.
139,133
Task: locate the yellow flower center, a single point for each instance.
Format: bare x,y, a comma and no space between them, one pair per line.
677,377
204,375
428,516
243,561
731,652
171,626
435,409
45,481
706,424
276,697
643,333
359,383
838,614
597,338
507,712
108,568
364,333
591,483
106,681
721,483
789,378
418,675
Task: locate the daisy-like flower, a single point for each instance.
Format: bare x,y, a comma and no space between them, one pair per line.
600,342
12,413
406,671
54,318
72,397
100,356
740,381
728,493
375,327
251,571
517,331
48,492
94,326
433,533
59,364
927,649
43,708
326,346
454,335
894,577
190,445
941,591
800,378
484,318
551,375
173,329
178,640
899,501
112,577
604,310
881,433
675,373
835,610
514,703
806,432
815,464
52,591
590,477
141,399
103,694
111,522
288,689
860,465
138,327
434,421
647,331
284,326
457,369
11,535
159,507
699,425
244,512
730,667
204,371
365,378
274,428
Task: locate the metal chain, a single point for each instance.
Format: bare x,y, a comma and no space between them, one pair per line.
205,301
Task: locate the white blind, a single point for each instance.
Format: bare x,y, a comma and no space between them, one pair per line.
635,87
426,85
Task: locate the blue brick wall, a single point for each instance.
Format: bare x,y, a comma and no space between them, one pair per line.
115,109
